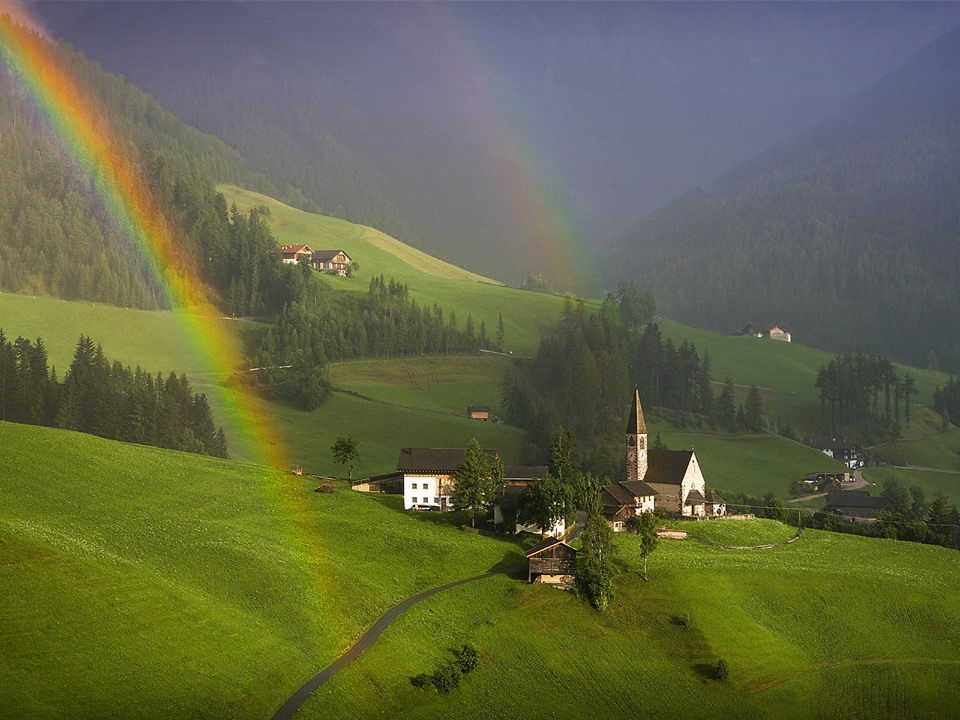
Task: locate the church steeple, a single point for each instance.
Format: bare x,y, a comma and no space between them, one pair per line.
636,440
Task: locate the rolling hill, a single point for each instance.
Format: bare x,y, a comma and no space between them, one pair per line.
148,582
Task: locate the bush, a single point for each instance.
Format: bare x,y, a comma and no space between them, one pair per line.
467,658
721,671
420,681
447,679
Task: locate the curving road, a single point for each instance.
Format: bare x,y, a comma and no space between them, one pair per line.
291,706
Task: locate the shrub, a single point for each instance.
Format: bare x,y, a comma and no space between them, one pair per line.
447,679
420,681
721,671
467,658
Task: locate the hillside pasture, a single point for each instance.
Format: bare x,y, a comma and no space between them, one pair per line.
526,315
751,464
829,626
137,582
931,482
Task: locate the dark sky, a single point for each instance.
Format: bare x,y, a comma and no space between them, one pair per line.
611,108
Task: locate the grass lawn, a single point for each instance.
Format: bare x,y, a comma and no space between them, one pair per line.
752,464
930,482
800,627
137,582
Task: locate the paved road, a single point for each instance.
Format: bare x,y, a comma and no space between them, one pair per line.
291,706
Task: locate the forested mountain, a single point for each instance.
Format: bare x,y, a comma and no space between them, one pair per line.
55,235
849,236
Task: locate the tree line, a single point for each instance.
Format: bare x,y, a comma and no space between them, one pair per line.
861,396
946,401
105,399
384,323
583,371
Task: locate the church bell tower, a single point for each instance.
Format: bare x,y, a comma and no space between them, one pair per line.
636,441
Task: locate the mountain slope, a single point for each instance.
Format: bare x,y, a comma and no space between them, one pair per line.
848,235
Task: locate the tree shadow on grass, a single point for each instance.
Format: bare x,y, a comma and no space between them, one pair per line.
513,565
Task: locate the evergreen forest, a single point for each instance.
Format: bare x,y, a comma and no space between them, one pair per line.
106,399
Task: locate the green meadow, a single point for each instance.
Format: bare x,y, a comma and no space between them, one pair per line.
143,582
391,403
830,626
137,582
526,315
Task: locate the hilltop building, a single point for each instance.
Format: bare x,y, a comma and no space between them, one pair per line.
670,480
773,332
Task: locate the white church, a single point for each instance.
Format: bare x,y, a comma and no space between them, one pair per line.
670,480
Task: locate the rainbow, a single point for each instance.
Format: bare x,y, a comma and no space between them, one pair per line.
84,132
529,188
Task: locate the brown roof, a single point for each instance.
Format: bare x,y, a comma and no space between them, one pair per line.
667,466
546,544
639,488
327,255
433,459
289,249
714,498
635,422
694,497
615,496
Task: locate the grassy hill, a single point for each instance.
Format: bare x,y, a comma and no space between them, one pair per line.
152,583
526,315
391,403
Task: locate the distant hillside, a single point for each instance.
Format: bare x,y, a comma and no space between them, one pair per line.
848,235
55,236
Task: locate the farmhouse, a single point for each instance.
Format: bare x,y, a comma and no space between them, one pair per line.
331,261
855,506
667,479
840,450
428,476
773,332
478,412
292,254
551,561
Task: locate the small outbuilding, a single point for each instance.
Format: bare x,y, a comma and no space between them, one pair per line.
478,412
552,561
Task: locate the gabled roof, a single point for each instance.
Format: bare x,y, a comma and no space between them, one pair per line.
290,249
546,544
445,460
695,497
667,467
327,255
714,498
638,488
635,422
478,408
614,496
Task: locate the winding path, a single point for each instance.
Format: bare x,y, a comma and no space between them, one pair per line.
291,706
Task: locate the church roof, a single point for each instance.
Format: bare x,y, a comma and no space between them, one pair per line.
635,422
667,466
695,497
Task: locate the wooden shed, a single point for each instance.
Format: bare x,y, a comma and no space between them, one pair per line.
552,561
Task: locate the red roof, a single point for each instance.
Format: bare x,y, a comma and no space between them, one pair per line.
286,249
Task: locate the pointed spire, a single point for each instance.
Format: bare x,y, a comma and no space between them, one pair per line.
635,422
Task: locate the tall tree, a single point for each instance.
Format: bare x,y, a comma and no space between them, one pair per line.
546,502
645,527
476,481
595,562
